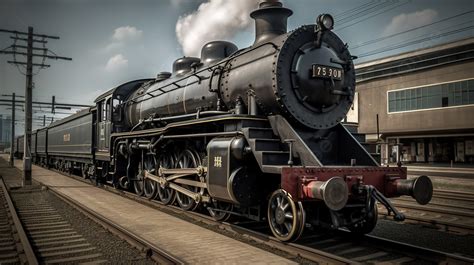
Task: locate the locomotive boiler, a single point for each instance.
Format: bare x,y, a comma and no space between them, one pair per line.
304,75
252,132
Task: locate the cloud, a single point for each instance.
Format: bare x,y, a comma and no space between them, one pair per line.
113,46
116,62
127,33
407,21
214,20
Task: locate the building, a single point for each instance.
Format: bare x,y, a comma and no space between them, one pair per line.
423,103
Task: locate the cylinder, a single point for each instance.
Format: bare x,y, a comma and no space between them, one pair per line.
333,192
420,188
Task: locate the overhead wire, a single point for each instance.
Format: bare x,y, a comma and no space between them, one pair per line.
417,41
374,15
364,12
353,9
410,30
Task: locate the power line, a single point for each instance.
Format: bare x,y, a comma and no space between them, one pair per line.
405,44
364,12
409,30
353,9
51,103
374,15
28,34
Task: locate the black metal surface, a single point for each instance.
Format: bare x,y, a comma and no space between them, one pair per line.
270,20
72,138
335,146
273,76
216,51
41,142
228,177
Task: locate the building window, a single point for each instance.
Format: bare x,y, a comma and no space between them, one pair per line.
429,97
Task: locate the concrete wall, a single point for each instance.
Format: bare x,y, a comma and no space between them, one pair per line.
373,100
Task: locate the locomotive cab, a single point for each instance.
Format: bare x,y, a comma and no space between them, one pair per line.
110,115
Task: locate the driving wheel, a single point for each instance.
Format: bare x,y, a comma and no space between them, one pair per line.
149,185
187,159
220,215
165,194
138,183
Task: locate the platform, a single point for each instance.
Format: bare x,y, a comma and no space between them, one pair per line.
190,242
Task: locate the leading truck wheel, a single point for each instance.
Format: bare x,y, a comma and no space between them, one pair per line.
285,217
366,225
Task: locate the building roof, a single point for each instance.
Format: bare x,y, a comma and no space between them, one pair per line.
418,52
416,60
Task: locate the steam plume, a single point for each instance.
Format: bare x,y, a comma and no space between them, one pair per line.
214,20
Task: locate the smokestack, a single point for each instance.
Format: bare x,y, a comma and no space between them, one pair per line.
270,20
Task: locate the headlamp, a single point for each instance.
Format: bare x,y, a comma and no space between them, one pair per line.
325,22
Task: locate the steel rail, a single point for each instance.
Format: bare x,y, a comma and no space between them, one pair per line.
289,248
451,218
293,249
425,253
25,242
300,250
157,254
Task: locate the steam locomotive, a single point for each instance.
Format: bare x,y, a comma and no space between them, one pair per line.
254,133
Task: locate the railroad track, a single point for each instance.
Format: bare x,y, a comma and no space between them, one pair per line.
50,238
451,195
336,247
53,239
450,211
15,248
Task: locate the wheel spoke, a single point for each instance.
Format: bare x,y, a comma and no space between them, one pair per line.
186,160
286,218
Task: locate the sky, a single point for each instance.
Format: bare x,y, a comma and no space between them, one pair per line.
114,41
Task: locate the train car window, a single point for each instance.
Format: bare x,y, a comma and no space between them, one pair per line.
116,109
104,111
107,109
99,111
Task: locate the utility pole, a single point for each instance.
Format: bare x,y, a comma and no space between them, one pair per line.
28,110
29,84
12,145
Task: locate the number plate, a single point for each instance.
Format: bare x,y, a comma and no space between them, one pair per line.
321,71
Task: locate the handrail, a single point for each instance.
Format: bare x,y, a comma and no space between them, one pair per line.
208,68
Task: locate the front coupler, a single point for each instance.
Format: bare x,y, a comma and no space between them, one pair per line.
373,194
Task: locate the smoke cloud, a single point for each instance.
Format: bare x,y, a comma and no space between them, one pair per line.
214,20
